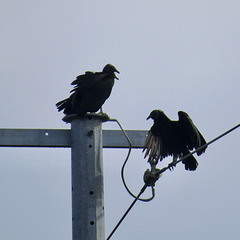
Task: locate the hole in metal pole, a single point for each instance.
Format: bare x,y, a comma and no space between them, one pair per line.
91,192
90,145
92,222
46,133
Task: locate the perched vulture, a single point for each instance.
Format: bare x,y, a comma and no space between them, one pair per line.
90,92
173,138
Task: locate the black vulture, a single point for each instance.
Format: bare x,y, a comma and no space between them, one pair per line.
173,138
90,92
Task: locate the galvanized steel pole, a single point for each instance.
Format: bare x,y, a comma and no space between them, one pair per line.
87,178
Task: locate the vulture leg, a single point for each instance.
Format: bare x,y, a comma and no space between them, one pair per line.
173,163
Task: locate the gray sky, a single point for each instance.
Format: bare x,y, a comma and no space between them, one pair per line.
172,55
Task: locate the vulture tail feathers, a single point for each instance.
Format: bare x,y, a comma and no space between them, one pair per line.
190,162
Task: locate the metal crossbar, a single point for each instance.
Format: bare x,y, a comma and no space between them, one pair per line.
62,138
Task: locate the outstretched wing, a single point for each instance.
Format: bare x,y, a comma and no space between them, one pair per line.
155,146
191,134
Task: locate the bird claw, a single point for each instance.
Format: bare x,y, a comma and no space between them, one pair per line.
102,113
171,166
105,116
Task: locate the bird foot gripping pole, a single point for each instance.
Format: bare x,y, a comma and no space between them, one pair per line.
87,177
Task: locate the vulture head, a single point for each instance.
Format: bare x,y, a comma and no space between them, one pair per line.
110,69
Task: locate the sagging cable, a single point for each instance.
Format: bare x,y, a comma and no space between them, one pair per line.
125,162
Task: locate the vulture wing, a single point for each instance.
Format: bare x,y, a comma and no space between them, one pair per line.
84,82
90,92
191,134
157,143
176,138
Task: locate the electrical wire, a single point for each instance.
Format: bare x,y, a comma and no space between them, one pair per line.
203,146
163,170
128,210
125,162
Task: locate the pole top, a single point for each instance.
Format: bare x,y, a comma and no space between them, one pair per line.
69,118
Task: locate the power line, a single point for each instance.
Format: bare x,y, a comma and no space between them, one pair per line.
125,214
158,172
125,162
203,146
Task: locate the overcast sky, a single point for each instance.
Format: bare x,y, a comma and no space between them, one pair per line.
172,55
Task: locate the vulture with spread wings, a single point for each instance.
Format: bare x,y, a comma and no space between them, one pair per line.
90,92
173,138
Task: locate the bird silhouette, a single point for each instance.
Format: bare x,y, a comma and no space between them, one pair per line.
173,138
90,92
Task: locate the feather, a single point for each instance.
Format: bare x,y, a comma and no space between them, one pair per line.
167,137
90,93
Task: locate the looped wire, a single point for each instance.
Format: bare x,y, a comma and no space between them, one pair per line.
124,164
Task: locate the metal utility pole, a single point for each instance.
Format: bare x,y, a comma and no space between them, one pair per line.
87,178
86,140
